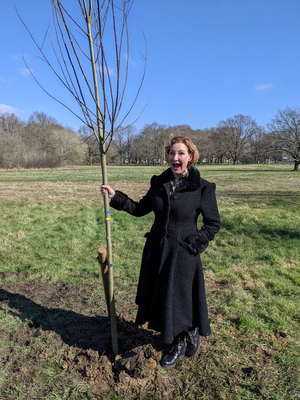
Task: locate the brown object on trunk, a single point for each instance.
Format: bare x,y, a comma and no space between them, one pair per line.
104,271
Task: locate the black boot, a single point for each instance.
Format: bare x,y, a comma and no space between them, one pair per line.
177,352
192,342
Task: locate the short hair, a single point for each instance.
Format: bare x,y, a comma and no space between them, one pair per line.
192,149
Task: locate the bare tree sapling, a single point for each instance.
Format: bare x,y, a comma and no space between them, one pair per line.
91,56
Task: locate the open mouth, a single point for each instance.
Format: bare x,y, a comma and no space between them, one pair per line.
176,166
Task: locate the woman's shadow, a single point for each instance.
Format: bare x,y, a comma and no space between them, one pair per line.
77,329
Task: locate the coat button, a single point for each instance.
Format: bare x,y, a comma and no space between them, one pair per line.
174,197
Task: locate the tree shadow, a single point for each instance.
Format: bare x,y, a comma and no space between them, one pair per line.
77,329
284,234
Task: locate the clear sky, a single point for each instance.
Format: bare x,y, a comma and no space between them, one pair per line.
208,60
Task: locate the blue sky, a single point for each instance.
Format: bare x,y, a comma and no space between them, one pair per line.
208,60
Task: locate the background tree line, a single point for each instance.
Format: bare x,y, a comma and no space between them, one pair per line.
39,143
42,142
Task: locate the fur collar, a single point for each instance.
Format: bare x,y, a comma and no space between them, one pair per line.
192,182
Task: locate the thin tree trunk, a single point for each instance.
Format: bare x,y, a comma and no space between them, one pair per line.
112,311
101,136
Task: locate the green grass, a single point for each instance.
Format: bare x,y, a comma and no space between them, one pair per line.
52,223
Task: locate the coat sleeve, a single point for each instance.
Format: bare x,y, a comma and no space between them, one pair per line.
198,241
122,202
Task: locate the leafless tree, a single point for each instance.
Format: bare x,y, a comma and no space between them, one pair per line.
92,147
256,149
10,150
10,123
129,134
219,144
11,146
237,133
37,134
153,139
180,130
285,130
203,139
67,146
42,119
119,147
92,38
123,142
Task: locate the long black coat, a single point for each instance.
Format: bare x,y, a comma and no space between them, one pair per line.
171,293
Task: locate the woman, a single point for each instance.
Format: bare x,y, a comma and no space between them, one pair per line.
171,293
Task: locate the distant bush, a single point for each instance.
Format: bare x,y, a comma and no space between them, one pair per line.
48,161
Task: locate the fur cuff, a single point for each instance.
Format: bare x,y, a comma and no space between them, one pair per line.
119,200
195,243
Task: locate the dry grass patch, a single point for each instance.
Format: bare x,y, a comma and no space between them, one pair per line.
51,192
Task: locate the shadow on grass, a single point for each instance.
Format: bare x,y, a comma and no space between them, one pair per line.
259,229
286,234
77,329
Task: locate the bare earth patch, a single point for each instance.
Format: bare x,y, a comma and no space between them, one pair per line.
79,344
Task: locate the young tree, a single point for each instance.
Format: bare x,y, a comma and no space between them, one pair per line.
92,38
285,130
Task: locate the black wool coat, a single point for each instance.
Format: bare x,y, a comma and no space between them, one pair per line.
171,292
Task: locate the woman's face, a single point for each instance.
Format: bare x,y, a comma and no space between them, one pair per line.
179,158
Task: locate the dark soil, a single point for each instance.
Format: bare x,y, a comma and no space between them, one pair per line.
58,315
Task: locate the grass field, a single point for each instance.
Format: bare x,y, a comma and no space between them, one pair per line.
51,224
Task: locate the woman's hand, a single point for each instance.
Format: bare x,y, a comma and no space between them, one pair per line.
109,190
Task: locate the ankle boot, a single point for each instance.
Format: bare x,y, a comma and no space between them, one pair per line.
192,342
177,352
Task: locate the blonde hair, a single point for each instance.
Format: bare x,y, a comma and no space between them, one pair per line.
192,149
